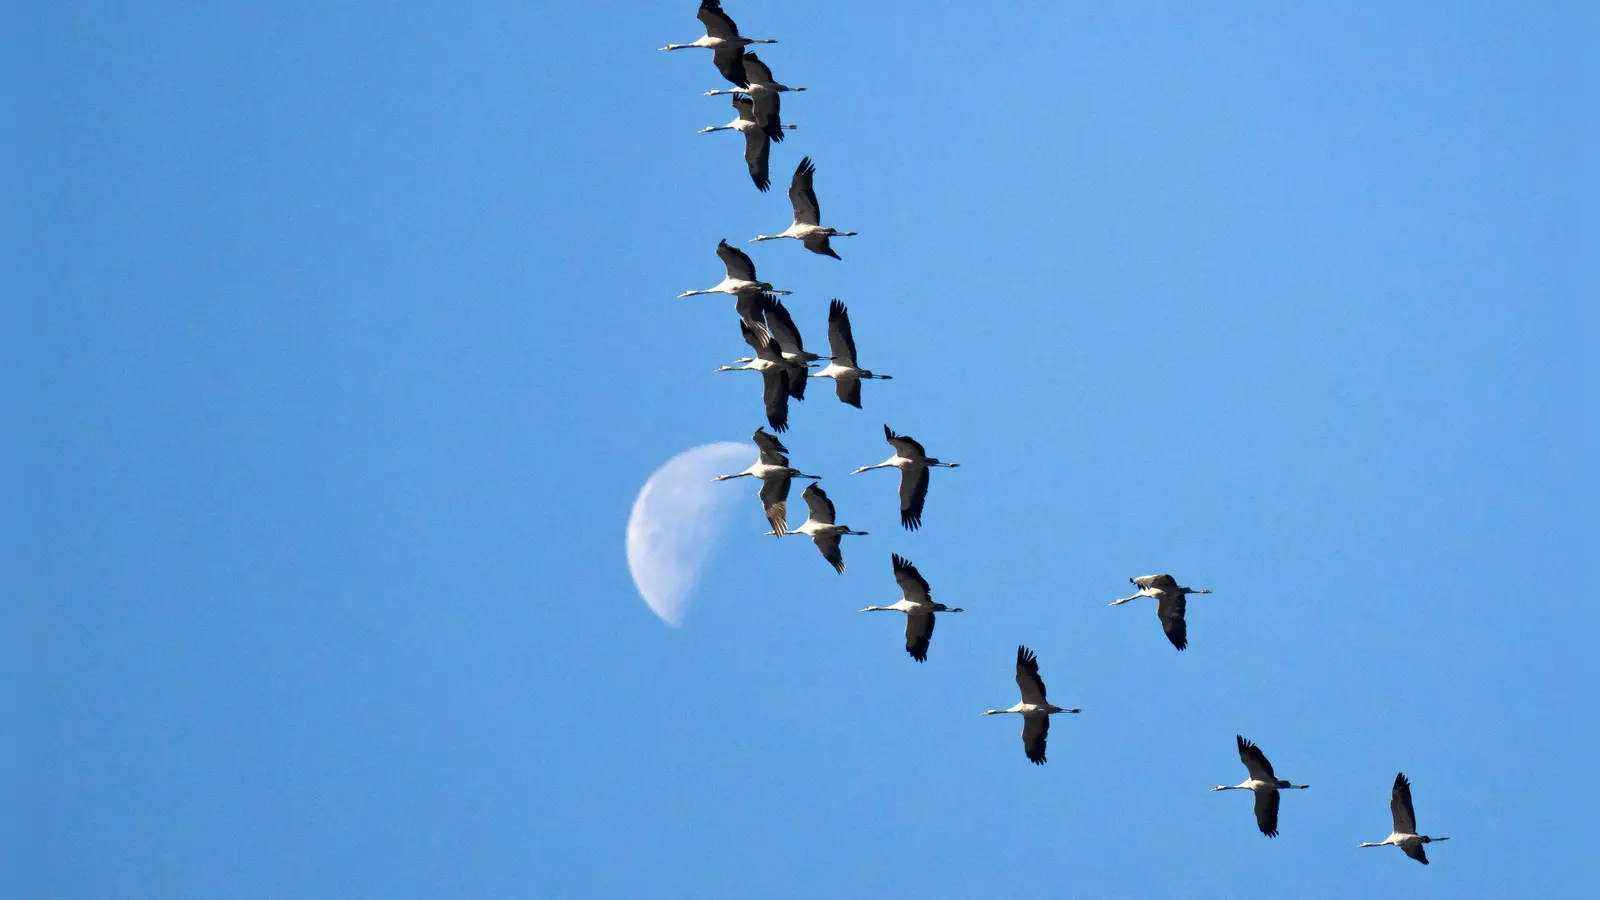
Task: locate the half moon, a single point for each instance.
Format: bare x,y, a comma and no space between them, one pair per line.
676,521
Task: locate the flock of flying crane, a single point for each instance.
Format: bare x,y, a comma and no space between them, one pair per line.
785,366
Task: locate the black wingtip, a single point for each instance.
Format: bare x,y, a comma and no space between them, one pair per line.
899,562
910,522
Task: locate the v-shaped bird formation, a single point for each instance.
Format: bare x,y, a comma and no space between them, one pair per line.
785,365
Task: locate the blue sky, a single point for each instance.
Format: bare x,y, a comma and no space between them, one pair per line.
350,337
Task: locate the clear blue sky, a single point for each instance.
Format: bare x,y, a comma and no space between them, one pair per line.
350,336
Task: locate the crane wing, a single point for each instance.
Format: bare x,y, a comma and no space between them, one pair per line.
774,494
819,244
759,72
1035,730
848,387
818,504
919,631
736,262
768,442
729,60
1267,812
757,151
912,584
798,378
903,445
1159,582
749,308
913,493
718,23
1028,680
767,111
1255,760
841,340
829,545
803,196
1170,608
1405,815
775,396
781,323
755,335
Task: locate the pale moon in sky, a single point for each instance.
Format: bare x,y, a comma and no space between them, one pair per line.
678,517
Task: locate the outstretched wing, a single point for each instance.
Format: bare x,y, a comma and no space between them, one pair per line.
783,328
819,244
1035,730
1415,851
903,445
911,582
736,261
774,497
1254,760
768,441
759,72
1267,812
841,340
849,389
1170,607
829,545
1159,582
729,60
757,151
919,631
750,309
798,378
718,23
803,196
913,493
767,110
818,505
1405,815
755,335
775,395
1028,679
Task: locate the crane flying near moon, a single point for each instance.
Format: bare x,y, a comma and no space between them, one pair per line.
676,521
